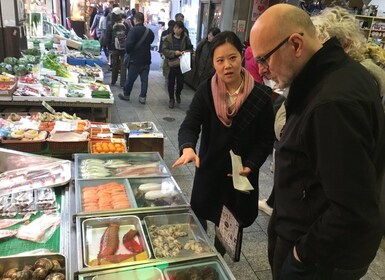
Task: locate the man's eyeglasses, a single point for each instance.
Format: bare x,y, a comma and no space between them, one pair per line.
263,59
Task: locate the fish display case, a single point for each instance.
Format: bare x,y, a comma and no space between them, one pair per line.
211,268
145,238
34,216
126,165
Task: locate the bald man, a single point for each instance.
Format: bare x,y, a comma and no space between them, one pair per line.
326,222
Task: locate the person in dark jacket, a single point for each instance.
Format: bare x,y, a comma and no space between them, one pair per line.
94,29
330,158
230,112
117,56
174,45
203,64
140,58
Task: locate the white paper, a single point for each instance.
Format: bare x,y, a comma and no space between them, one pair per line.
185,62
240,183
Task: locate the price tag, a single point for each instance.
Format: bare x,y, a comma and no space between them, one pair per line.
229,234
48,107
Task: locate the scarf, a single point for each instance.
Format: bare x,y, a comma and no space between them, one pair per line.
218,88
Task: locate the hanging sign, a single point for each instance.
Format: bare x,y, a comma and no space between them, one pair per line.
258,8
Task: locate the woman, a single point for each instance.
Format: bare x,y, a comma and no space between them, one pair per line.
95,30
203,65
174,45
231,112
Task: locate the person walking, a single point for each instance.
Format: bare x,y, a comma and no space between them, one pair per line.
95,24
203,64
103,34
174,45
138,47
115,43
229,112
330,158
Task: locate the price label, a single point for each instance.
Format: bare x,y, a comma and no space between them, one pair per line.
229,234
48,107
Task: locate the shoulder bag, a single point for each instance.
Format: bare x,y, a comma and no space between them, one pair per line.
127,56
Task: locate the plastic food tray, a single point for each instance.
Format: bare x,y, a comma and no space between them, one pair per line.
188,224
166,185
152,273
133,158
202,269
93,230
121,144
80,185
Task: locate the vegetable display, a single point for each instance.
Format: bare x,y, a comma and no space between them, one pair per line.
51,61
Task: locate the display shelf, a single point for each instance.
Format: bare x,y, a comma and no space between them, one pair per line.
373,28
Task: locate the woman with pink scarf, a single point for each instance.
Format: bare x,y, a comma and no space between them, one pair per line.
229,112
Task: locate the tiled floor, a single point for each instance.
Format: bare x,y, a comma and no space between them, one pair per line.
253,264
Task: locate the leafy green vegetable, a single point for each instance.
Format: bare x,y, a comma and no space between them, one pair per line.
34,52
20,70
51,61
23,60
11,60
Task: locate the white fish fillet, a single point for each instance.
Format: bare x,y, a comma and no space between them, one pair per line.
5,223
7,233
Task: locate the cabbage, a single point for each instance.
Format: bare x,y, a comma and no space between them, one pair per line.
11,60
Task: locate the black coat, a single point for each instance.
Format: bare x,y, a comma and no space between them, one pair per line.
251,136
142,54
330,162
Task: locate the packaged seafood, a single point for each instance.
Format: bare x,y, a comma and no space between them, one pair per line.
150,273
45,199
157,192
24,172
140,127
41,229
24,201
113,241
104,195
177,236
123,165
46,266
208,270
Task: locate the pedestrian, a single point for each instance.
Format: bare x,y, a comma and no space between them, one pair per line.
169,30
229,112
103,34
330,158
174,45
203,63
95,30
115,30
180,17
138,47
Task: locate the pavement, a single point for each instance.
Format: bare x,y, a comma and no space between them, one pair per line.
253,264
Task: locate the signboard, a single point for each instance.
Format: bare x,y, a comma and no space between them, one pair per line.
258,8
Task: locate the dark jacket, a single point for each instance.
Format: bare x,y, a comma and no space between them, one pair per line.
251,136
142,54
330,161
168,48
109,40
203,62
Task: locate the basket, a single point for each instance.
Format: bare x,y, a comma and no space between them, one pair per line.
25,146
76,61
71,147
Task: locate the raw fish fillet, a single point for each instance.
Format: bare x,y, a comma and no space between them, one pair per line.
7,233
4,223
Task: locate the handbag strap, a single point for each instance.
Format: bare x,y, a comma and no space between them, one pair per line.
141,40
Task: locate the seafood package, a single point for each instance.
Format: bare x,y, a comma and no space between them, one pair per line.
210,270
113,241
149,273
176,236
104,195
48,267
126,165
41,229
157,192
35,172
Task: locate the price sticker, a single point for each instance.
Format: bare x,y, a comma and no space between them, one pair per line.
48,107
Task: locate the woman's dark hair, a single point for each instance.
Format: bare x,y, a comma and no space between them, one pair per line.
223,38
171,24
179,24
214,31
106,12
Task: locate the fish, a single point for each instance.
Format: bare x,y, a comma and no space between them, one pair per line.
7,233
5,223
109,242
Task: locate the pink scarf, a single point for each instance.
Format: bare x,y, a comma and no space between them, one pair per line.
219,91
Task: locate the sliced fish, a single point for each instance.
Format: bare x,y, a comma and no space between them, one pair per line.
5,223
7,233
